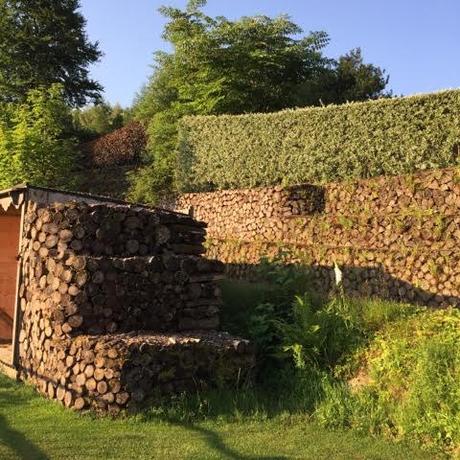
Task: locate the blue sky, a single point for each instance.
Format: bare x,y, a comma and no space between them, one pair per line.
416,41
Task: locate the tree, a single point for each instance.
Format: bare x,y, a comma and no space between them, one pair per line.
217,66
96,120
44,42
344,80
254,64
35,145
222,66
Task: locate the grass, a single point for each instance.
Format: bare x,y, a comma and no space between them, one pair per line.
34,428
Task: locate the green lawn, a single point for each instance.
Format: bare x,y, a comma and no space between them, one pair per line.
34,428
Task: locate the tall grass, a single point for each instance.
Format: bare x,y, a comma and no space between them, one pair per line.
409,383
377,366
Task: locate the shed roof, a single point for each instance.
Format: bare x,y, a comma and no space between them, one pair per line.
16,195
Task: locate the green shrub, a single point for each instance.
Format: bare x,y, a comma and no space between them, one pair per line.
407,385
252,309
282,315
154,181
376,366
35,145
319,337
356,140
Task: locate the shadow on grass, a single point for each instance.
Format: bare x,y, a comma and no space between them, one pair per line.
15,395
18,443
191,412
215,442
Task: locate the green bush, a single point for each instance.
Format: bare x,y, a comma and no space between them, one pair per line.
35,144
407,384
254,309
284,318
356,140
319,337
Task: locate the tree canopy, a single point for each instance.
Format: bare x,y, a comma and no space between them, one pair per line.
253,64
44,42
222,66
96,120
344,80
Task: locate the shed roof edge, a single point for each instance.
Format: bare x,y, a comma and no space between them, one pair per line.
75,195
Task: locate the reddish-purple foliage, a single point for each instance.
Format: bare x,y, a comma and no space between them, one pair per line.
123,146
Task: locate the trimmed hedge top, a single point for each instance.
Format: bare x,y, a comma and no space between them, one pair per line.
320,144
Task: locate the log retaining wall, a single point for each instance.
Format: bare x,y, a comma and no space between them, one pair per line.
393,237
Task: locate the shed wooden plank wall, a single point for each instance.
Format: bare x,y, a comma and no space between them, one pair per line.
9,241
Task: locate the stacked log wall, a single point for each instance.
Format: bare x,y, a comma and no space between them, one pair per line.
103,287
393,237
112,372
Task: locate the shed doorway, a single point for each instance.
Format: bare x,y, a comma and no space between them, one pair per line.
10,222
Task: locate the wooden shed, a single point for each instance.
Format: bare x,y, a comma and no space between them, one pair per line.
13,203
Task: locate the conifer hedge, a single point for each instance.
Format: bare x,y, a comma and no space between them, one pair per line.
337,142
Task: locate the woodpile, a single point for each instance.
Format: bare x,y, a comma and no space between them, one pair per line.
394,237
241,213
112,372
99,285
95,295
110,230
